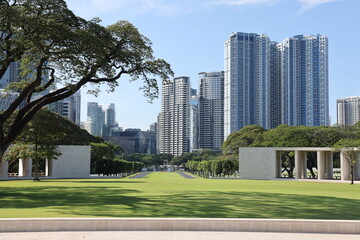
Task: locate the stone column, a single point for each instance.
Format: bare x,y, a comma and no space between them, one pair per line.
345,168
304,166
321,164
25,167
4,169
49,167
329,165
278,164
357,169
299,164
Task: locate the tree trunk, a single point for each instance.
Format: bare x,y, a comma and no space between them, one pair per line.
36,172
352,174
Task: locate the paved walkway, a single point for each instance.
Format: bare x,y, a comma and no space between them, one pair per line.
140,175
183,235
186,175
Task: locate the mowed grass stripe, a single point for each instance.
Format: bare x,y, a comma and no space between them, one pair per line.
170,195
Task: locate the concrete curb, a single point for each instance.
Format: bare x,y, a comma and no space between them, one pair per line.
179,224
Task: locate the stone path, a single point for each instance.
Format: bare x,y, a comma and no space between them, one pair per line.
186,175
172,235
140,175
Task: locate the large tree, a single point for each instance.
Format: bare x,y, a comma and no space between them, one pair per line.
350,151
61,52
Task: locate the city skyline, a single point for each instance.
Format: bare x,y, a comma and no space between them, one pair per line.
189,53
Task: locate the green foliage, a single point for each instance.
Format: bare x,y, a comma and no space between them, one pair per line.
242,138
219,167
115,166
286,136
205,154
59,53
59,130
350,150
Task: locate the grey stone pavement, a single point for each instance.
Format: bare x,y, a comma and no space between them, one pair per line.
186,175
140,175
169,235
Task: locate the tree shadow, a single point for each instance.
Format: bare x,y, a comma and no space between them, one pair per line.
115,201
100,181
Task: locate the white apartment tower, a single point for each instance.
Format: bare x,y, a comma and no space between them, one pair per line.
174,124
348,110
269,83
305,87
247,81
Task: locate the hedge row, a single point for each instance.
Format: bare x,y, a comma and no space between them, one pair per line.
114,167
213,168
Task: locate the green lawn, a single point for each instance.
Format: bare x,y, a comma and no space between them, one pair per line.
170,195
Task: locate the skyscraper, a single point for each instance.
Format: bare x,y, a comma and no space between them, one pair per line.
68,107
246,79
270,83
96,115
348,110
211,110
110,115
305,92
194,120
174,124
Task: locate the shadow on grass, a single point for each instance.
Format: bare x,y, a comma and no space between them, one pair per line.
99,181
119,202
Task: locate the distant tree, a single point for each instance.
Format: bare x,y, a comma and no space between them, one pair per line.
103,153
38,141
242,138
350,150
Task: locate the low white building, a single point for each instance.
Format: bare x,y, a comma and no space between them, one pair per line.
74,162
265,163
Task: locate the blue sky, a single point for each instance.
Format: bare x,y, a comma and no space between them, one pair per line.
190,35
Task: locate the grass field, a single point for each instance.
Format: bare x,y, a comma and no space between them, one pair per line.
170,195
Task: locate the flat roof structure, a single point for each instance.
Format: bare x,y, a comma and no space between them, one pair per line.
265,163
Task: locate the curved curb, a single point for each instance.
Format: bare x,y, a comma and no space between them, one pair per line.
179,224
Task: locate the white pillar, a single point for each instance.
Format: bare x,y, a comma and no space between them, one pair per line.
4,169
25,167
321,164
304,166
299,164
278,164
329,174
357,169
49,167
345,168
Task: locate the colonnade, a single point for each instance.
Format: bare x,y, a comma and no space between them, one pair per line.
324,165
25,168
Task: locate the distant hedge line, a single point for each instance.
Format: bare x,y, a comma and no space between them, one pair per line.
213,168
110,167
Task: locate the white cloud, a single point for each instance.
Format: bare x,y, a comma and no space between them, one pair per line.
243,2
162,7
309,4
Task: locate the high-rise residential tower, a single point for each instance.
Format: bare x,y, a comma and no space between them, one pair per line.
211,110
194,120
348,110
174,124
305,87
246,91
270,83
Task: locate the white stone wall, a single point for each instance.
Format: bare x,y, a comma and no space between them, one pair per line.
74,162
257,163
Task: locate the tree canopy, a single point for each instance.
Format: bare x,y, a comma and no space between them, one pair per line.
59,52
287,136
